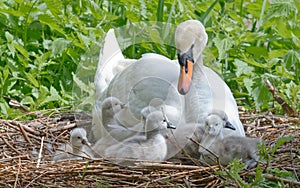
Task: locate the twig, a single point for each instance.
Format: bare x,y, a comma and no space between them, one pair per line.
40,153
24,134
11,147
69,126
17,175
186,181
286,108
167,166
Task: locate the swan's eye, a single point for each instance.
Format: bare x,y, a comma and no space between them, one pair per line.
78,137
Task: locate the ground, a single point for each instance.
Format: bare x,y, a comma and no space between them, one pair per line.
27,148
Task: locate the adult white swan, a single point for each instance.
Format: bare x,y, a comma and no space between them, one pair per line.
204,90
153,79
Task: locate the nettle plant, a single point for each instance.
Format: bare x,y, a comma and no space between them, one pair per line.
254,41
43,42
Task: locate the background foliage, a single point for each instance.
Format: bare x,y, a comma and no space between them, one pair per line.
43,42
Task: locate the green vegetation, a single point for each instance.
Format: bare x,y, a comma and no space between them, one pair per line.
44,41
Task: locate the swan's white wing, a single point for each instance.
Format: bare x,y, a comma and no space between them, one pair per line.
152,80
111,62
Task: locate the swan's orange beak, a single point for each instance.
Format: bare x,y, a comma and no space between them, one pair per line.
185,77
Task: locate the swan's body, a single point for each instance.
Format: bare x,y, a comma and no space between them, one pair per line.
204,90
152,81
228,148
155,78
79,146
151,146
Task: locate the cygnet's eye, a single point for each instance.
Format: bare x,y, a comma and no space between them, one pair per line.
78,137
216,124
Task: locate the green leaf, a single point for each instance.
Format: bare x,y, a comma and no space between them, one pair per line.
59,45
281,141
284,31
223,45
9,37
48,20
55,6
291,58
21,49
81,84
257,51
32,79
243,68
254,63
248,83
27,100
281,9
276,53
260,94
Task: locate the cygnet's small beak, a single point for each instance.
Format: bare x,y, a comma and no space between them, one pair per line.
228,125
170,125
86,142
123,106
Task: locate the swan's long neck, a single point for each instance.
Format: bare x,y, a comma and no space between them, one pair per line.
199,99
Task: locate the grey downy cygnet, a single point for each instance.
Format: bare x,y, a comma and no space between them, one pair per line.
114,130
180,145
183,142
79,146
228,148
151,146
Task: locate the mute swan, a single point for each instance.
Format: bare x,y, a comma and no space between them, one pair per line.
204,90
228,148
79,146
151,146
155,77
180,138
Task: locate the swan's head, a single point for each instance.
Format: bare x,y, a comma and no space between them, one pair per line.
216,121
78,137
190,40
111,106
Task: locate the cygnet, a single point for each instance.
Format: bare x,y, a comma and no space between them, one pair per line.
179,141
228,148
79,146
151,146
114,130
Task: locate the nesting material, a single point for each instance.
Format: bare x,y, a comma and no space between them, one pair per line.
19,158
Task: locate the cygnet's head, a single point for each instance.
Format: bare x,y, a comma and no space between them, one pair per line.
215,122
156,121
78,137
111,106
190,40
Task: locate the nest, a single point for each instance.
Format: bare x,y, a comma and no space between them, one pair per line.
28,147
